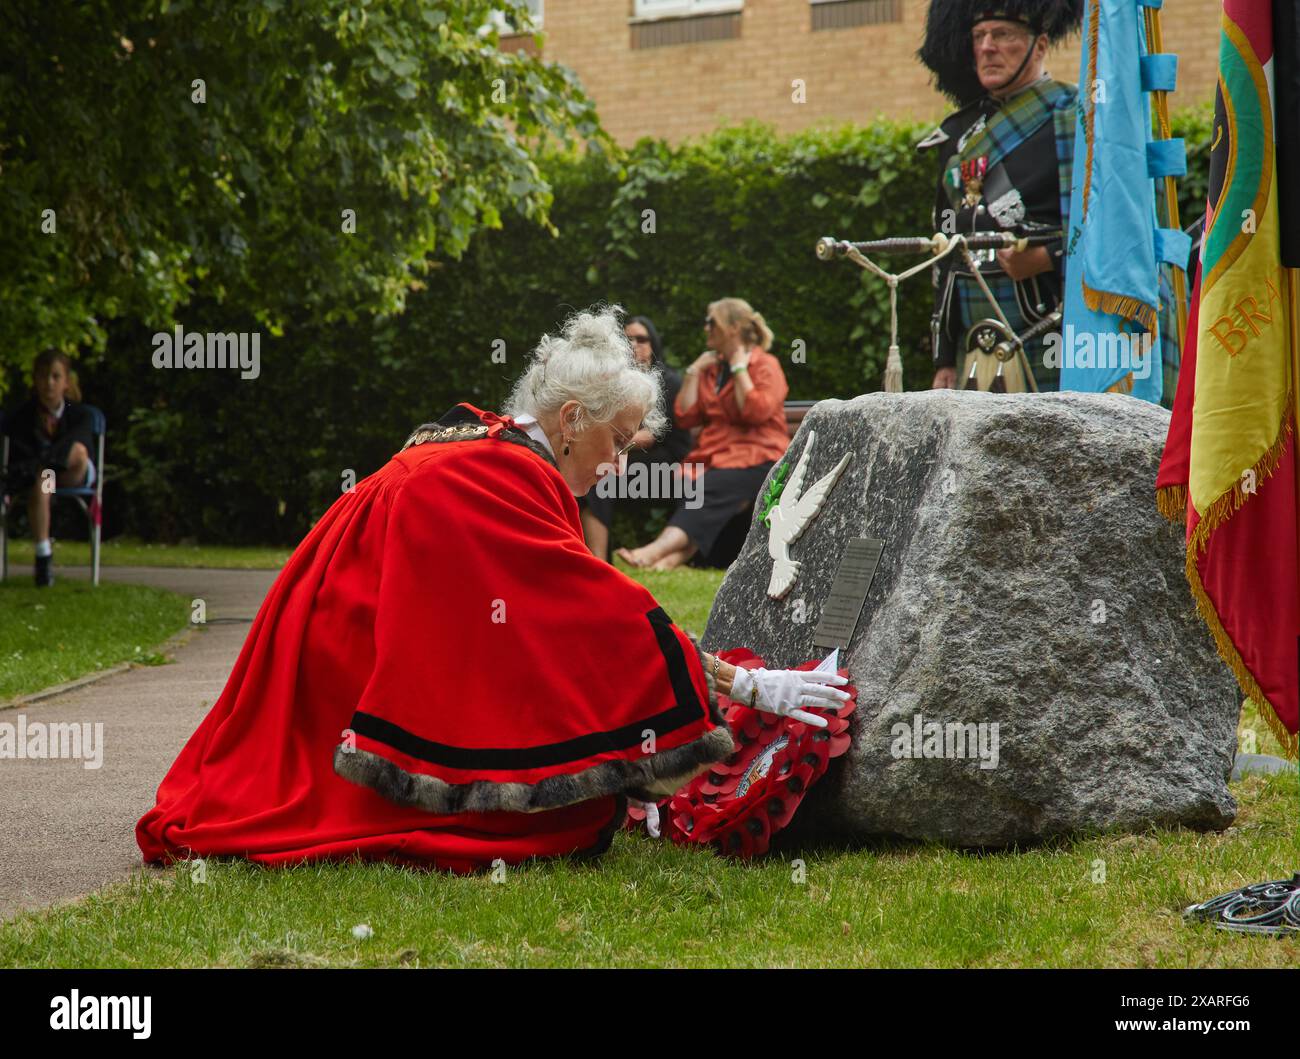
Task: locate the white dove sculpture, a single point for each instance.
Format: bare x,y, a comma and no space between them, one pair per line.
790,516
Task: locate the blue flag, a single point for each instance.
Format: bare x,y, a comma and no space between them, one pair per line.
1115,247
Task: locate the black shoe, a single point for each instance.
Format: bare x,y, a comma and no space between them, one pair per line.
44,571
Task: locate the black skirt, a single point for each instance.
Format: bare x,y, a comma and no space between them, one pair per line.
725,492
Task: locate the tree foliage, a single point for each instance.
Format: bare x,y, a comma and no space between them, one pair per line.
197,151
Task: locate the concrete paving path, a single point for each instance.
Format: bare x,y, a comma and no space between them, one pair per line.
66,830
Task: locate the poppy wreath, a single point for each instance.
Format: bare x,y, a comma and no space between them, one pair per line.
739,804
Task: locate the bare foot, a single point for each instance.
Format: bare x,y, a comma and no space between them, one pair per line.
631,556
670,561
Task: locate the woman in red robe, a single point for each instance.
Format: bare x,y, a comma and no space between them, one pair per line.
443,674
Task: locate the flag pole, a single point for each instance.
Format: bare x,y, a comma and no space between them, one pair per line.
1160,104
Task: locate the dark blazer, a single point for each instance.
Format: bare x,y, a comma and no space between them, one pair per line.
31,449
673,446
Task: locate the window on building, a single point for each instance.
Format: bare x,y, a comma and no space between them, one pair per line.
840,14
656,23
678,8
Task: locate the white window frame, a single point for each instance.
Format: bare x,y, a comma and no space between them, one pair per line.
648,10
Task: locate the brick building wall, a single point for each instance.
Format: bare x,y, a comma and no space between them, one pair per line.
659,78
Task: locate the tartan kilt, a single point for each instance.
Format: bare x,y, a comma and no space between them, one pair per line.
1019,301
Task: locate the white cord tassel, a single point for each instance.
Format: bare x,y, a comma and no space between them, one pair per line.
893,380
894,372
894,362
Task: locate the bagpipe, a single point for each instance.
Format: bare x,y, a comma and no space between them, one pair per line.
995,359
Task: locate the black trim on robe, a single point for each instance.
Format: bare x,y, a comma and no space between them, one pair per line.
688,709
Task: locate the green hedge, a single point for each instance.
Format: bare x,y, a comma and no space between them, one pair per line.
203,455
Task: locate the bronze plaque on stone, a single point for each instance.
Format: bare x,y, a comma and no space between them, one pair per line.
848,593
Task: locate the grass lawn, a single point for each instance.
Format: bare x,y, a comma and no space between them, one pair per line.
649,903
686,594
51,635
1108,900
125,551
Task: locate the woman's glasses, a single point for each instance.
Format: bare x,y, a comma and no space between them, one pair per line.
618,437
640,340
710,323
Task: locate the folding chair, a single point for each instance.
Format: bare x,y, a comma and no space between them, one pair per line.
89,498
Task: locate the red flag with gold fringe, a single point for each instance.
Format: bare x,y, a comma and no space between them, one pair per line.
1231,453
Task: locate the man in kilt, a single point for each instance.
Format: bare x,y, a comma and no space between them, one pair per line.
1003,161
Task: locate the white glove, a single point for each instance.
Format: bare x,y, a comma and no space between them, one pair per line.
783,691
651,811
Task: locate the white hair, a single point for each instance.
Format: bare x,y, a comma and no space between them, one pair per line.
590,361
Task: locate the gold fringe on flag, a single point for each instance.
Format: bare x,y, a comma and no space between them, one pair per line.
1218,513
1122,305
1171,501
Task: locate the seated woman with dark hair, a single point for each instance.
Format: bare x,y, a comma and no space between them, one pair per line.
53,431
736,391
655,457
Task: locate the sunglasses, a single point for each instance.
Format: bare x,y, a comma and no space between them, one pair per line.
710,323
640,340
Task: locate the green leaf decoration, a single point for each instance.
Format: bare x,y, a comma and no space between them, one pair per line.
773,492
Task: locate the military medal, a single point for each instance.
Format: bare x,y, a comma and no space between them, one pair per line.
972,178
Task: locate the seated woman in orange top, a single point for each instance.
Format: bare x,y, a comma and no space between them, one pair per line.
736,390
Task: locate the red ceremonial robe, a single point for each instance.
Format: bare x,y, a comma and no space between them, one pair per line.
443,674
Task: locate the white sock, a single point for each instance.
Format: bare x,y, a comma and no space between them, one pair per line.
44,548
